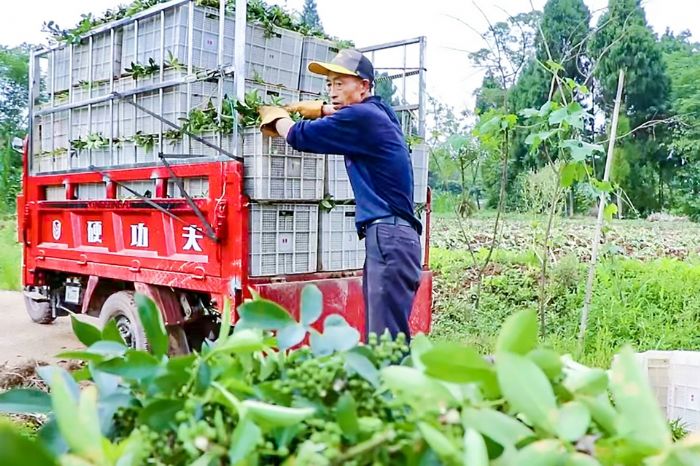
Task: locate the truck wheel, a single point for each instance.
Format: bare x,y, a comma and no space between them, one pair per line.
121,308
39,311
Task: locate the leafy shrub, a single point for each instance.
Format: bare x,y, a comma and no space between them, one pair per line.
248,399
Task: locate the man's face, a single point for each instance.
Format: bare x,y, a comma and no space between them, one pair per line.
346,90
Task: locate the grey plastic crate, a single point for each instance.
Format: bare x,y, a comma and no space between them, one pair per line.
84,92
94,119
48,163
195,187
340,247
55,193
129,153
205,38
51,132
273,58
337,181
197,149
315,49
146,188
419,159
268,92
58,70
275,171
174,105
91,191
283,239
104,66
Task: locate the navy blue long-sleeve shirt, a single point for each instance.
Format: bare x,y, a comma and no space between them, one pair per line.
369,135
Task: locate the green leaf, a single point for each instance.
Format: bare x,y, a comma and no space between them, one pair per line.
291,335
321,345
554,66
557,116
86,333
602,412
529,112
456,363
264,315
343,336
92,442
225,327
136,365
602,186
527,389
18,450
579,459
74,421
97,352
541,453
346,416
242,341
439,443
580,151
548,360
503,429
359,364
159,415
640,419
576,115
475,453
110,332
246,437
573,420
415,387
25,400
571,173
49,373
518,334
609,211
586,381
274,415
311,304
152,322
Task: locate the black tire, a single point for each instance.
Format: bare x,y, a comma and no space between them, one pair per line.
39,311
121,307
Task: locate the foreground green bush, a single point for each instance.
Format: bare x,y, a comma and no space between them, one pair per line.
651,305
247,399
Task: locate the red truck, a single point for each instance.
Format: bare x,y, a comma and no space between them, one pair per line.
100,221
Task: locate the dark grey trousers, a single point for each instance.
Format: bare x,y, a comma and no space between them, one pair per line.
391,277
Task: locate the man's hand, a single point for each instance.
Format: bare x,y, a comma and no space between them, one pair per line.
309,109
268,119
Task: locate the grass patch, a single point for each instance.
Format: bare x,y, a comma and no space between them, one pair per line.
651,305
11,257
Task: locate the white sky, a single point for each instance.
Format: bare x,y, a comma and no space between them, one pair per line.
450,76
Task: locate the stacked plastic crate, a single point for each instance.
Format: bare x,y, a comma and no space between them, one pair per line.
153,61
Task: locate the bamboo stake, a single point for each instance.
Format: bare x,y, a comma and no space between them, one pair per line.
601,210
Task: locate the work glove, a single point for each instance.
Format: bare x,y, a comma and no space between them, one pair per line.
268,117
309,109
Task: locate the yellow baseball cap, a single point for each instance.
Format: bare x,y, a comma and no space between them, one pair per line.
348,61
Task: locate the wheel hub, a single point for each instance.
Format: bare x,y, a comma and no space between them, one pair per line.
125,330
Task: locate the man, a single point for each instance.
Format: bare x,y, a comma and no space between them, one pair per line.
367,132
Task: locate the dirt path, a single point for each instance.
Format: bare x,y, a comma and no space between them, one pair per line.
22,340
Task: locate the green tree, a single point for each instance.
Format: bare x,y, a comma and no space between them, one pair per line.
310,16
384,87
625,41
14,77
682,59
